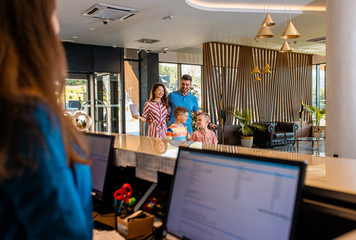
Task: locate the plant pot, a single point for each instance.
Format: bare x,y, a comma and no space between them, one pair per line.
246,141
319,134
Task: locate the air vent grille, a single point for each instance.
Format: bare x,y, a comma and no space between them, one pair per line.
147,40
318,40
111,12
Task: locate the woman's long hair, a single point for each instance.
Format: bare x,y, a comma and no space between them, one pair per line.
165,96
32,72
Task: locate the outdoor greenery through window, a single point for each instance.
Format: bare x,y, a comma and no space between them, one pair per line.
170,74
76,91
318,88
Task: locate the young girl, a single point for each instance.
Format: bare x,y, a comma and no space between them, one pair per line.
156,109
45,189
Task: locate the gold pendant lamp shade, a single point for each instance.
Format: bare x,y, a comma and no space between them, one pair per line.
255,70
285,47
266,69
257,78
290,32
268,21
264,32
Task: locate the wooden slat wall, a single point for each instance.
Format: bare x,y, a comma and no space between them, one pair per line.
228,81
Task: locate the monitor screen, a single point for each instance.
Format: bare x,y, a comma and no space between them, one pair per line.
218,195
99,149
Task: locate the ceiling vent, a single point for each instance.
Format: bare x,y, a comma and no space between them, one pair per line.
318,40
110,12
147,40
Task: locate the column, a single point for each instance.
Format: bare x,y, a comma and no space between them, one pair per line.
341,78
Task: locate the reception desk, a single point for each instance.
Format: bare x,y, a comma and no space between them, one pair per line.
329,198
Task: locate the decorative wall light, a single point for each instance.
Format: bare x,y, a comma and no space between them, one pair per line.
258,78
266,69
255,70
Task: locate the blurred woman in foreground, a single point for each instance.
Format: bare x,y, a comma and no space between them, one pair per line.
45,185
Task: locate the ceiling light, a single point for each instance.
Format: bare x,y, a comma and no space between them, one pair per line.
75,37
285,47
290,32
268,21
264,32
91,29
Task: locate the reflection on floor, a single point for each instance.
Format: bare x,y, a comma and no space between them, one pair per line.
304,148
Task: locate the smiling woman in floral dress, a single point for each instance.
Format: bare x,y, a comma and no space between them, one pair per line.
156,110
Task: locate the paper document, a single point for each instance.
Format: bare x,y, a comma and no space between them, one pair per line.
133,109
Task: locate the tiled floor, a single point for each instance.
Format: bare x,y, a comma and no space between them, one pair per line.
304,148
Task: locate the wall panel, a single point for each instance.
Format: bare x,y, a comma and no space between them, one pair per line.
228,82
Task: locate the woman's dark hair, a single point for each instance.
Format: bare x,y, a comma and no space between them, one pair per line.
32,72
165,96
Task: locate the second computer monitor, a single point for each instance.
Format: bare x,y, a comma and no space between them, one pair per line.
227,196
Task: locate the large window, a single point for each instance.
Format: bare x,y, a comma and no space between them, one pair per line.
170,74
195,72
76,91
319,88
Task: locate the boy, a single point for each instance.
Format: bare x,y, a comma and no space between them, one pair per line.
177,130
204,135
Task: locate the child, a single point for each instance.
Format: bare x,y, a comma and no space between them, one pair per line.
177,130
204,135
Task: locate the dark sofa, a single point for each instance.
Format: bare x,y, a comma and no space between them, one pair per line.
276,134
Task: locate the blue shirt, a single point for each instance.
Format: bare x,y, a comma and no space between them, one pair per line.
190,102
51,201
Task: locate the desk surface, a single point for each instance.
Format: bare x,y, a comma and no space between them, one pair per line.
334,174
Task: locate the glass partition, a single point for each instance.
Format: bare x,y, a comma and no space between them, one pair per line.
107,102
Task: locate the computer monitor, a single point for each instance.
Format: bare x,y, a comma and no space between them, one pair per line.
216,195
100,149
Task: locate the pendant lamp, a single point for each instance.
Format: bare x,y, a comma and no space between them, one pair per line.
257,78
285,47
268,21
264,32
290,32
255,70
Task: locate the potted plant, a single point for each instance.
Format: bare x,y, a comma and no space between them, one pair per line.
247,128
319,114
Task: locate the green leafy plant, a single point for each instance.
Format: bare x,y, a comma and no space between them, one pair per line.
319,114
247,127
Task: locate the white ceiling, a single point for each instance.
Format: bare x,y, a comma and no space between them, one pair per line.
190,27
